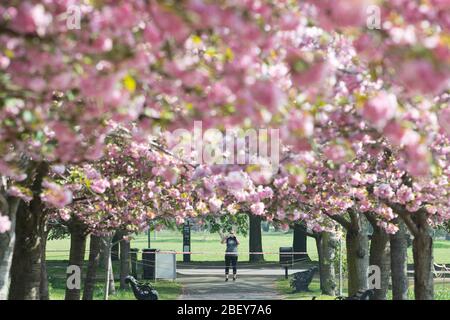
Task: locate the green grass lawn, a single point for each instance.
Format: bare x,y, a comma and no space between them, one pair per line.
168,290
441,290
200,242
210,244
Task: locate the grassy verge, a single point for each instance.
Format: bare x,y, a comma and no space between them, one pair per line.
441,291
283,287
168,290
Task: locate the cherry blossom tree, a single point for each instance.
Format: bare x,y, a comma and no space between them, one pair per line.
320,71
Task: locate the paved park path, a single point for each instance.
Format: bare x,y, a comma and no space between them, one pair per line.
214,287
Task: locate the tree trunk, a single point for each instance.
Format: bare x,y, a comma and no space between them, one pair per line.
380,256
43,291
91,273
318,238
423,258
103,253
77,252
299,243
357,255
326,248
115,247
423,266
110,288
30,223
255,238
26,265
124,262
399,263
7,241
111,282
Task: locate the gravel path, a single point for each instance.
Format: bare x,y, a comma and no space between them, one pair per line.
215,288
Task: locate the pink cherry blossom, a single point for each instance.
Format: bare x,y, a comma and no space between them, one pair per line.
444,120
380,109
5,224
257,208
56,195
404,194
235,181
64,214
336,153
31,18
179,220
423,77
261,176
343,13
363,123
215,204
268,95
100,185
22,193
384,191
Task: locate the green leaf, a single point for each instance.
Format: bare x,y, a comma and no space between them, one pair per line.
27,116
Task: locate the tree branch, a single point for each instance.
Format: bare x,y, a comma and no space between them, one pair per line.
353,218
404,214
340,219
372,219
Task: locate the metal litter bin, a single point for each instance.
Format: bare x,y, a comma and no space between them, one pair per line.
149,264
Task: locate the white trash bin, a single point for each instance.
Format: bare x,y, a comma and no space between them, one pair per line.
166,265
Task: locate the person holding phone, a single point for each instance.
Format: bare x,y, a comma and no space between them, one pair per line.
231,254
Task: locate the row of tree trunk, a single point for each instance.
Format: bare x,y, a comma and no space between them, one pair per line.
255,240
34,285
388,252
23,271
31,220
29,279
97,246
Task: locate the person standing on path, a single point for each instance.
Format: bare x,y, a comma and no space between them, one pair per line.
231,254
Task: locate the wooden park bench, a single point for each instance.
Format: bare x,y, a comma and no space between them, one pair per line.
142,291
302,279
360,295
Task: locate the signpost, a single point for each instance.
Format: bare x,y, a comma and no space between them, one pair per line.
186,242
